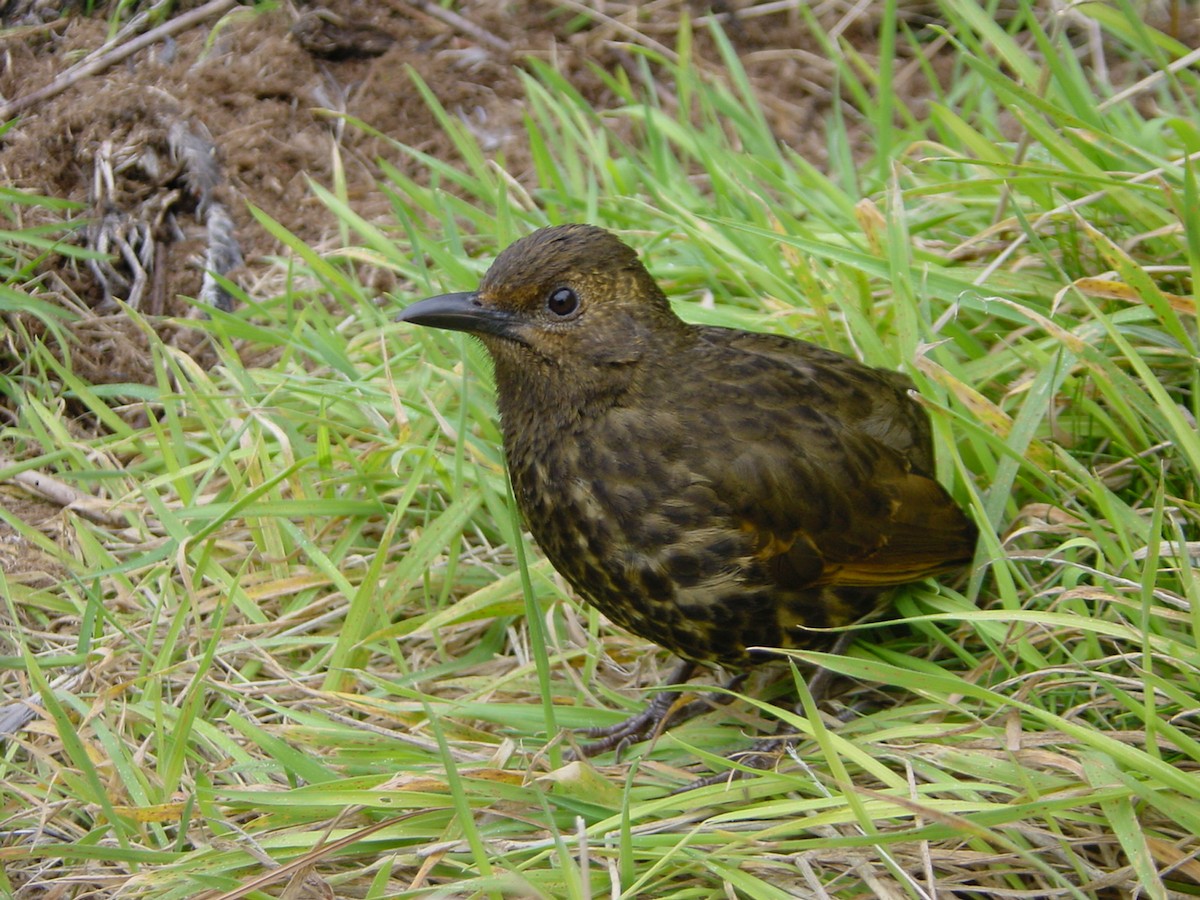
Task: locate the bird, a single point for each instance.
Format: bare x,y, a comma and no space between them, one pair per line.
722,493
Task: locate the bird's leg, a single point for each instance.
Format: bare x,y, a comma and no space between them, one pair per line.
660,712
706,703
641,724
764,752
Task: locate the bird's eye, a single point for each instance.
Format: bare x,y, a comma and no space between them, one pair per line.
562,301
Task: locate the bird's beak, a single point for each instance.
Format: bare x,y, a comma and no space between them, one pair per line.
459,312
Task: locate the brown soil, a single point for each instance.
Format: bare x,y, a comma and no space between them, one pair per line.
258,88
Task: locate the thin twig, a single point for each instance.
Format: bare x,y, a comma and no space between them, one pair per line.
135,25
61,493
632,34
455,21
1075,205
100,63
1150,81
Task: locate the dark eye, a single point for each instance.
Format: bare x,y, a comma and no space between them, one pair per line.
562,301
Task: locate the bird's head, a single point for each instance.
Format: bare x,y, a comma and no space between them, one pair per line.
568,297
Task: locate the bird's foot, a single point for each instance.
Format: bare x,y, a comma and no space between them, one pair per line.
650,721
766,752
660,713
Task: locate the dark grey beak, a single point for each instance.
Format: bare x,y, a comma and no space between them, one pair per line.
458,312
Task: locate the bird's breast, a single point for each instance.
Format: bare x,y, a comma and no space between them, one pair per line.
621,514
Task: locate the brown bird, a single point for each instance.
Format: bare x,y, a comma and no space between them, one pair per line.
713,490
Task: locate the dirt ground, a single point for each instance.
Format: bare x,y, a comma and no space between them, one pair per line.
236,108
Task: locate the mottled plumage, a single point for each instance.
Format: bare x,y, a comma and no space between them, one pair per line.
709,489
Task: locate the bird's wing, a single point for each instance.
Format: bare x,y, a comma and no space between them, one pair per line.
828,472
860,517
